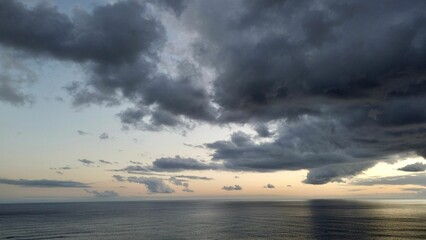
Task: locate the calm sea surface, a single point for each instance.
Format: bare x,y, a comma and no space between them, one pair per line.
315,219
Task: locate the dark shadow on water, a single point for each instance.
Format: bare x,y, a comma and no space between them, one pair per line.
340,219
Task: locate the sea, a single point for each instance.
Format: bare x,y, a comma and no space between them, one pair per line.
204,219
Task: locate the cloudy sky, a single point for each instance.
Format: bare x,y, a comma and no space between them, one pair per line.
212,99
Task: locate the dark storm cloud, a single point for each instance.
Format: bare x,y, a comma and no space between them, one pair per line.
292,58
343,80
269,186
153,185
419,179
232,188
110,34
119,45
355,69
43,183
104,194
415,167
262,130
177,6
335,173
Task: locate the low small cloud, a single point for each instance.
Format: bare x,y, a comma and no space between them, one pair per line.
82,133
152,184
119,178
61,168
104,194
418,179
232,188
194,177
355,190
415,167
414,189
86,162
180,182
187,190
193,146
269,186
105,162
177,163
172,164
59,172
43,183
135,162
289,185
103,136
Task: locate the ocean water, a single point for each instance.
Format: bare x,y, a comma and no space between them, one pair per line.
314,219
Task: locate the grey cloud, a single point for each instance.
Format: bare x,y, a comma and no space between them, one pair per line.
82,133
293,61
103,136
415,167
335,173
177,6
178,182
419,179
168,165
11,94
178,163
297,54
186,189
262,130
15,75
118,36
135,162
119,44
194,177
105,162
344,98
269,186
232,188
86,162
104,194
119,178
62,168
153,185
43,183
415,189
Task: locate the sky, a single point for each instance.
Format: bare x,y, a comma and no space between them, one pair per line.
135,100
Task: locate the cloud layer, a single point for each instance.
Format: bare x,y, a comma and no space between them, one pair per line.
343,81
44,183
